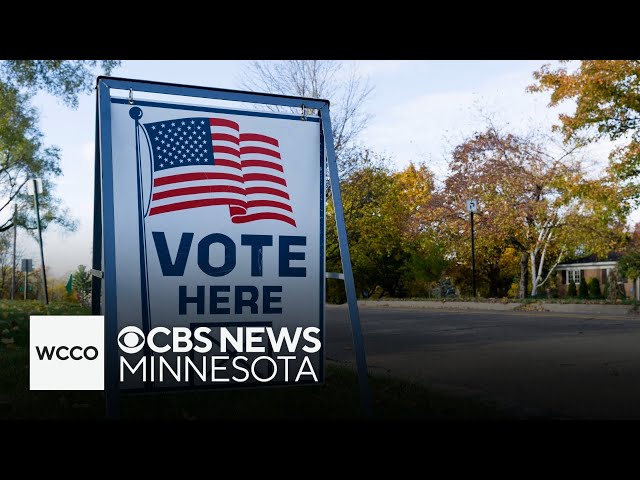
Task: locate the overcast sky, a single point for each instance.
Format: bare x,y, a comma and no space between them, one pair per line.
420,109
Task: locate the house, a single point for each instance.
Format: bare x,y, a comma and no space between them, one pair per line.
591,267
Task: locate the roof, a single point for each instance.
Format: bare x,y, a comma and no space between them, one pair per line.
611,257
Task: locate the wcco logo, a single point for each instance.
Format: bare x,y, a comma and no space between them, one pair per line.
66,352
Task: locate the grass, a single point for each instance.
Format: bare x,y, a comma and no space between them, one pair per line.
336,399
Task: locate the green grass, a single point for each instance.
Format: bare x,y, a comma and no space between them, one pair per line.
337,398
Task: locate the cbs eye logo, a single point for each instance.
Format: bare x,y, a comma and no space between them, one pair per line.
131,339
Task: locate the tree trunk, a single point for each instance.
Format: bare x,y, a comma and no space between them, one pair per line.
494,280
534,275
522,288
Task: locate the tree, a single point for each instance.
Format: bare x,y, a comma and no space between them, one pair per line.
572,291
23,154
22,157
65,79
391,252
6,263
629,264
82,285
532,199
607,106
336,81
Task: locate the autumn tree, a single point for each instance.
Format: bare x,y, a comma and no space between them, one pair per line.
339,82
607,97
530,199
629,263
391,252
23,154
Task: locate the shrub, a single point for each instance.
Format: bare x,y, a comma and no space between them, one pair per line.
594,288
583,290
572,291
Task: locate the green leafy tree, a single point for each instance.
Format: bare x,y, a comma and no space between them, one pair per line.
572,291
82,285
66,79
583,289
23,154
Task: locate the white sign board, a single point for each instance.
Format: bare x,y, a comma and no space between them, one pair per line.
30,184
218,221
472,206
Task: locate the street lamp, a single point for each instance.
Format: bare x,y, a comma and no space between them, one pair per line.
34,187
472,207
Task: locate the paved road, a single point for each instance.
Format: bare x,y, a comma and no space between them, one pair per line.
549,364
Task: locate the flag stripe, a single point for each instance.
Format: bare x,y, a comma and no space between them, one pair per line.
223,149
194,190
256,137
225,137
222,122
221,162
193,204
256,177
263,216
187,177
269,203
263,151
267,191
261,163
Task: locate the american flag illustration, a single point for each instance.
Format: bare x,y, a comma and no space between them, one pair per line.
199,162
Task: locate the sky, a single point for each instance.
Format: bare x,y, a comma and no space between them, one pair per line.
420,111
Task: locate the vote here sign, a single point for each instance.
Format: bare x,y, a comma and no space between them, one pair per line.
216,218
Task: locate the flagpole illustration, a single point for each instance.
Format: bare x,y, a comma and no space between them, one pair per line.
136,114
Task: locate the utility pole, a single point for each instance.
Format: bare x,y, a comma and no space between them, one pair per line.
27,266
38,185
13,268
472,207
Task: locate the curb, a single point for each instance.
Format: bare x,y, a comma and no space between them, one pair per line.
511,306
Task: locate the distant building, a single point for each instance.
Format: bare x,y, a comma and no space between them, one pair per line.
591,267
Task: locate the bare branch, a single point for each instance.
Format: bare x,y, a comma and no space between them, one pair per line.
339,82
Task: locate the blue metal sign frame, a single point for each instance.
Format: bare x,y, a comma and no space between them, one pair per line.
104,300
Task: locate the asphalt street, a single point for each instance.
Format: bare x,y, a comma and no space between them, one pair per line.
537,364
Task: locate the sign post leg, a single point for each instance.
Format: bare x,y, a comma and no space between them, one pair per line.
354,314
96,262
112,385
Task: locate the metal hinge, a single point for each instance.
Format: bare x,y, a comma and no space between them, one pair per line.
97,273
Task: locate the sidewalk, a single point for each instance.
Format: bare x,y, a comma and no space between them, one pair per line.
511,306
